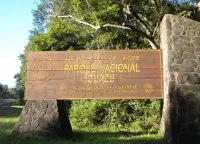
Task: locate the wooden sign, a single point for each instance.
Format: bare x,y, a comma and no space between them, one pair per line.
119,74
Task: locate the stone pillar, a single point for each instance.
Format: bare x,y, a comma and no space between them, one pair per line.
180,41
44,118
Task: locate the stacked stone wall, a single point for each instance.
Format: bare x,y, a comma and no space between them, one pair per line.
180,41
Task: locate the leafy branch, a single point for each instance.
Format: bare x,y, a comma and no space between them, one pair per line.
97,27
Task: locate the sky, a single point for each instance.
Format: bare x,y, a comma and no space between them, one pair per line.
15,23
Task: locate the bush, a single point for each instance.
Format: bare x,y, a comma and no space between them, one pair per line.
131,115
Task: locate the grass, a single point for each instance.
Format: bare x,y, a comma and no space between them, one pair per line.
82,136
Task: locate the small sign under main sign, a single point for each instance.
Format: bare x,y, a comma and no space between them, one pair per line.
122,74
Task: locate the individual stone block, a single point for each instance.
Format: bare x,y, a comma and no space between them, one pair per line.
185,68
198,60
190,63
175,68
177,45
197,41
198,69
191,33
193,78
197,49
188,47
188,55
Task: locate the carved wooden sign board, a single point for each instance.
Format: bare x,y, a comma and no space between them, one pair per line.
119,74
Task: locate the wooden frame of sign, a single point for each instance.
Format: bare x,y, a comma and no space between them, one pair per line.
116,74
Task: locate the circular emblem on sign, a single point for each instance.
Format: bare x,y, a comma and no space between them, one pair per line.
42,70
148,88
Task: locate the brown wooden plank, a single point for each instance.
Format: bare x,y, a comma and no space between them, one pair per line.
81,84
87,55
60,65
49,75
61,75
117,94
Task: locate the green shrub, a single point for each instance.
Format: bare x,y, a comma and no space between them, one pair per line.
131,115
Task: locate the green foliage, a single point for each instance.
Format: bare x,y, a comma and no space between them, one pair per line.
6,92
96,13
132,115
20,80
40,42
141,17
59,37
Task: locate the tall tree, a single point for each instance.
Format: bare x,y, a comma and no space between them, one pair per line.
138,18
101,24
91,24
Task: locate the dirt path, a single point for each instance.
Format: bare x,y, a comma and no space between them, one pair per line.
4,105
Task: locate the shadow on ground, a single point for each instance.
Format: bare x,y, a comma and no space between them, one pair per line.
118,138
13,111
87,138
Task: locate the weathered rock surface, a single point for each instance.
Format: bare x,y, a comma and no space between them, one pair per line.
44,118
180,41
